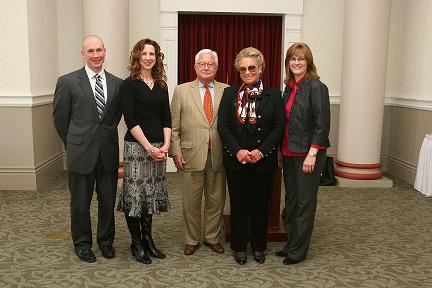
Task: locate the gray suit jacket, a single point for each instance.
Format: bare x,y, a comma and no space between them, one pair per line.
191,130
76,119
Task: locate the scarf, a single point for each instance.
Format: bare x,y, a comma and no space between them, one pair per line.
246,102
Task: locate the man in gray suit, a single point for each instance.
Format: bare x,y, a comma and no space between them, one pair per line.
86,115
197,152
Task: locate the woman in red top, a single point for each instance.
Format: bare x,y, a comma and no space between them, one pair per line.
303,148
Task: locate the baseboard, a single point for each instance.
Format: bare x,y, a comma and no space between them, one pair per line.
401,169
31,178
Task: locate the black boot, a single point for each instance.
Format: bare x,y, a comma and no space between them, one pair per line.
146,230
137,247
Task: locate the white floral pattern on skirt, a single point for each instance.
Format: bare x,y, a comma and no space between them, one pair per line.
144,183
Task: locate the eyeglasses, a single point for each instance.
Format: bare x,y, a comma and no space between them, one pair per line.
250,68
294,59
210,65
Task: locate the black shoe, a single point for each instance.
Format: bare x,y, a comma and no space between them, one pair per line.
85,254
107,251
240,258
259,257
281,253
289,261
140,253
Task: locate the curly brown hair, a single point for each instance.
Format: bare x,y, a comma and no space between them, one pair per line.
299,50
158,71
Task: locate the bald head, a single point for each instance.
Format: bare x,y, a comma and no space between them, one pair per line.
91,38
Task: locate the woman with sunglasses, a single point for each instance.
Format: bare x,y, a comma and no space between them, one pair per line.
251,120
303,148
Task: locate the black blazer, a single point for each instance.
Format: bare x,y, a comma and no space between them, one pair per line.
265,135
309,122
76,119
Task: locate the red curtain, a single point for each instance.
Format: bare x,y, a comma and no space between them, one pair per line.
227,35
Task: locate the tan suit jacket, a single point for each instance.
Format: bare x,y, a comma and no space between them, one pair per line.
191,130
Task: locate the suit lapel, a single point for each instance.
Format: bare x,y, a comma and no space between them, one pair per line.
218,90
286,94
197,99
110,90
84,83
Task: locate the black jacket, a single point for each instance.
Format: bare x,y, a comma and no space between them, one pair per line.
264,136
310,116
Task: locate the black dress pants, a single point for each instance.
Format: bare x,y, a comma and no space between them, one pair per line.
81,188
249,196
301,191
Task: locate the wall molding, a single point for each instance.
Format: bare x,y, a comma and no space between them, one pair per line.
34,170
395,102
20,101
402,163
401,169
30,178
169,43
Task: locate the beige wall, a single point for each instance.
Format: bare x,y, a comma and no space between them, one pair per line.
323,31
144,21
407,130
31,152
15,63
42,38
410,58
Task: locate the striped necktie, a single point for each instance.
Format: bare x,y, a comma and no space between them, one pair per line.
99,95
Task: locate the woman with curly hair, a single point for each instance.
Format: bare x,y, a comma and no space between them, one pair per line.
145,105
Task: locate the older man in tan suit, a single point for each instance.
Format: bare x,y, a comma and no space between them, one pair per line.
197,152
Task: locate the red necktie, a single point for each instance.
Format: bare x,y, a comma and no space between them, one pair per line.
208,105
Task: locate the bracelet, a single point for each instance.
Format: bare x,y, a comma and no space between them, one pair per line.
262,156
312,154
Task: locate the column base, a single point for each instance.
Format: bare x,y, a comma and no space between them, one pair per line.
358,171
352,183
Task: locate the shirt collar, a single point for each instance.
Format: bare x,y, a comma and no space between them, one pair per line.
201,85
91,73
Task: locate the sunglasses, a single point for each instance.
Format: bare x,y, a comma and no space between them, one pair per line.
250,68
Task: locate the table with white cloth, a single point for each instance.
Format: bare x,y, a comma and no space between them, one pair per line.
423,180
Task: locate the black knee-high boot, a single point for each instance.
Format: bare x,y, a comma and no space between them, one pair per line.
138,248
146,230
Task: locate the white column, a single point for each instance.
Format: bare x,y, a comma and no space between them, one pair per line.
366,33
109,19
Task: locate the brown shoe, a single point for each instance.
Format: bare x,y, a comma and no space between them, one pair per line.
216,247
190,249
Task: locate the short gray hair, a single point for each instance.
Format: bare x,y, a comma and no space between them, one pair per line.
206,51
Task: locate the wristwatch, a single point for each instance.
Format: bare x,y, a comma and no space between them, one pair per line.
312,154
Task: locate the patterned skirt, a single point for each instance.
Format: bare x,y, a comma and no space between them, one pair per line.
144,184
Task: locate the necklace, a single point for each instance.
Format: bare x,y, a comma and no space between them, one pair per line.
149,82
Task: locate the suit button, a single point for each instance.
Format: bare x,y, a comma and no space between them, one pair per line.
259,116
230,154
259,129
259,141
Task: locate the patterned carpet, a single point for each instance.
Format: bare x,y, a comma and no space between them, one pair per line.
362,238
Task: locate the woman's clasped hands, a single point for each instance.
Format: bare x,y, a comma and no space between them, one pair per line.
245,156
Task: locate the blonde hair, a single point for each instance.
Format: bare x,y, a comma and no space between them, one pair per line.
250,52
